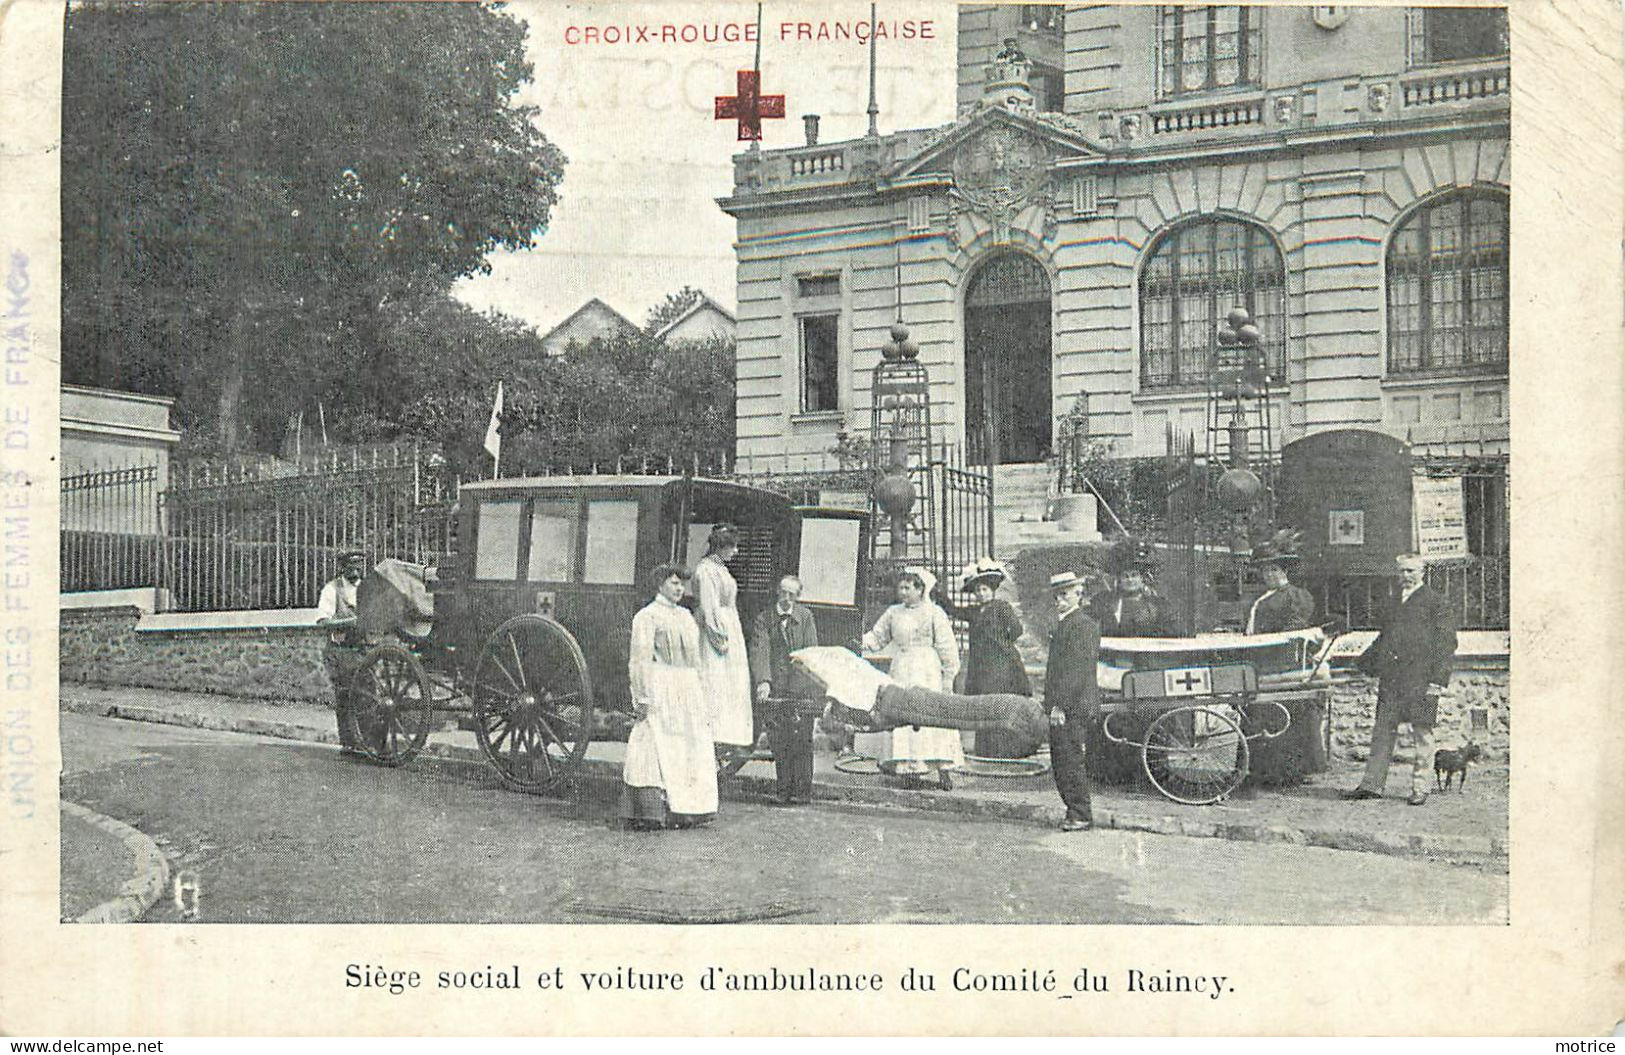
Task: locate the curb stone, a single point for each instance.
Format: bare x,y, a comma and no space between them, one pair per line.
1481,848
148,880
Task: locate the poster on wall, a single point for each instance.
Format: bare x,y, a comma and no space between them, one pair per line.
1439,513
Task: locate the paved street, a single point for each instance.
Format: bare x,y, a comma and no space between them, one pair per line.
281,831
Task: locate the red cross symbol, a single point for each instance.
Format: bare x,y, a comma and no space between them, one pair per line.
1188,681
748,105
1346,526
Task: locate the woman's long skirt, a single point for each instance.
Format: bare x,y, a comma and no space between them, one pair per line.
669,751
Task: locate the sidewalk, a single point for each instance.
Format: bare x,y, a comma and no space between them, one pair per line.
111,873
1469,827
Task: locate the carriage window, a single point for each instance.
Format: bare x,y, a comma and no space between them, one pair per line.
612,542
552,542
829,561
497,537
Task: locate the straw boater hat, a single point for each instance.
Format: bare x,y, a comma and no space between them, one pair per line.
1064,580
984,569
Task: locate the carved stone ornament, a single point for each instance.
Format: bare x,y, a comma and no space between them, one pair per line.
1376,97
1052,223
1000,168
1284,107
1330,16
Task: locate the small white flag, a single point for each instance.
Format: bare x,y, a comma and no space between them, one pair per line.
493,438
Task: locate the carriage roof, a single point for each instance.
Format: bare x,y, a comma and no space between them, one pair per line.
605,480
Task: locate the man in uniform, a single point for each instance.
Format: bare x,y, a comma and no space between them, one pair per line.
1072,697
1411,657
336,610
777,632
1282,606
1130,608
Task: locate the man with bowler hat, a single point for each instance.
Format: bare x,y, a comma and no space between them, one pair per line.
1072,696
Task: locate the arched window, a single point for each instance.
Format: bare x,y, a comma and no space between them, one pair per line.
1196,273
1447,286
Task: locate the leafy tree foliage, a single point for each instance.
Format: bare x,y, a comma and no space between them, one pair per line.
628,397
260,198
671,309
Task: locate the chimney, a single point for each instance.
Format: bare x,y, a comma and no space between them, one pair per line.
809,122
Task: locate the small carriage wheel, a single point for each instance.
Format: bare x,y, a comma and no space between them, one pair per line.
532,698
1195,755
391,705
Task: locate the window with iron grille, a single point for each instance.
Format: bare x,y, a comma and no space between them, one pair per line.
1456,34
1194,276
819,337
1202,47
1447,287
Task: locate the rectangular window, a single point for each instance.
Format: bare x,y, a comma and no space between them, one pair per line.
818,286
552,542
497,540
819,337
612,542
1201,48
1457,34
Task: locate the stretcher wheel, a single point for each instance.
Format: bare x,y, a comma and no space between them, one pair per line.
391,705
1195,755
532,700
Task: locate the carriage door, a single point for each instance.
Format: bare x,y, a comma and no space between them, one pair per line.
1007,360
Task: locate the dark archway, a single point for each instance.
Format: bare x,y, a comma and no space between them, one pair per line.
1008,416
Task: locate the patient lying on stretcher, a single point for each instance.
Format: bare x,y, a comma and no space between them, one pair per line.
869,699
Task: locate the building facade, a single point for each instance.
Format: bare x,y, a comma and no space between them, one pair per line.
1117,180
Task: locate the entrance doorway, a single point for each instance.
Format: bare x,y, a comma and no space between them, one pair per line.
1007,361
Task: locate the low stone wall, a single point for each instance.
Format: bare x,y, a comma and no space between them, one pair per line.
102,646
1354,708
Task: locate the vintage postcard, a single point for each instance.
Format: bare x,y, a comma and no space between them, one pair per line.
1020,515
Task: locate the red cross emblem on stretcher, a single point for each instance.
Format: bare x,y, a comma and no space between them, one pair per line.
748,105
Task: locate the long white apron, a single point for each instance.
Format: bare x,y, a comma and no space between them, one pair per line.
670,747
724,662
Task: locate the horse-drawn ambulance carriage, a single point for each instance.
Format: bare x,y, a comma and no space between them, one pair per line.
527,633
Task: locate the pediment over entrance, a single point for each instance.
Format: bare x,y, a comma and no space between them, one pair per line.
997,158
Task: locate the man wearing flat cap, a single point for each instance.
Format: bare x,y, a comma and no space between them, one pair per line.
1072,696
336,610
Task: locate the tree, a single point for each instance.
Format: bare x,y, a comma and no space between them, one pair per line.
671,309
254,193
628,397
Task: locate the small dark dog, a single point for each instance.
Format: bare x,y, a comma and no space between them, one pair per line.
1447,765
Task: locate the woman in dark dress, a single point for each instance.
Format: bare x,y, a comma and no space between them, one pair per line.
994,664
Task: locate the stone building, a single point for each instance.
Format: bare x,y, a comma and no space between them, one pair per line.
1117,179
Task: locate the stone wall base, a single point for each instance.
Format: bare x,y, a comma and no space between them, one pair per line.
102,646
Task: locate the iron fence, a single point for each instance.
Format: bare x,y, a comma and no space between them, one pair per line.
271,543
110,530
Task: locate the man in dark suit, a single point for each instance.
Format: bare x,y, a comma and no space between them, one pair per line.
1071,696
1412,657
777,632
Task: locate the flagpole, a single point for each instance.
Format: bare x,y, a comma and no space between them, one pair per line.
874,107
756,144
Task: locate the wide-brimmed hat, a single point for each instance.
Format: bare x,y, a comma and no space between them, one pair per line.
1132,554
1280,548
984,569
1064,580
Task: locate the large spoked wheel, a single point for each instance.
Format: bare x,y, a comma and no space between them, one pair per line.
391,705
532,703
1195,755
